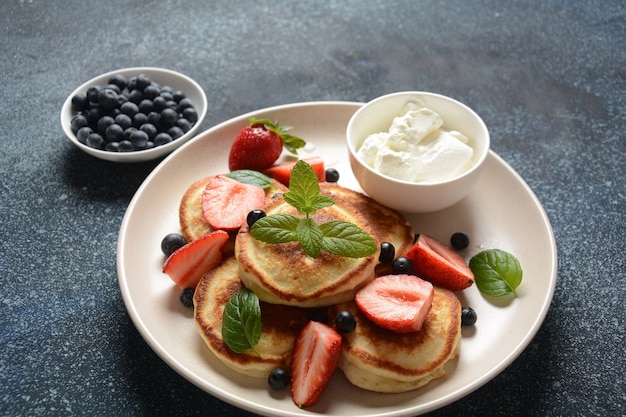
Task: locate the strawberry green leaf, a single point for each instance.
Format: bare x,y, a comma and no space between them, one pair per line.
347,239
241,321
310,237
496,272
277,228
248,176
292,143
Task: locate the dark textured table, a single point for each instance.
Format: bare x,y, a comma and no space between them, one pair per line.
548,78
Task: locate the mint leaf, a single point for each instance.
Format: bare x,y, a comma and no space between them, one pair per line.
307,207
347,239
496,272
310,237
248,176
277,228
241,321
304,190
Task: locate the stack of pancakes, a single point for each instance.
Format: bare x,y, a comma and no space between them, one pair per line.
291,286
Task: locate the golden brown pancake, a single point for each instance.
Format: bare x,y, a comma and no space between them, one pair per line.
385,361
193,225
388,225
284,274
281,324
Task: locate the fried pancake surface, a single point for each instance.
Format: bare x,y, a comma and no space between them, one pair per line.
281,324
385,361
388,225
284,274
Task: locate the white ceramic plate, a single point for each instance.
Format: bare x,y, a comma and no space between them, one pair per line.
502,212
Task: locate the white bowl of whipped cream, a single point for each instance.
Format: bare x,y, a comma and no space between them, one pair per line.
417,151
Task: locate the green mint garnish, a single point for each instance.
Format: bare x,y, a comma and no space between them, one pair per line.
241,321
248,176
496,272
338,237
290,142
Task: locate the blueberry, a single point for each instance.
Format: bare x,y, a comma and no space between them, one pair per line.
332,175
139,119
150,130
172,242
124,121
135,96
94,141
113,87
387,252
190,114
401,265
459,241
279,379
107,98
104,122
129,108
178,96
468,316
93,115
162,139
154,118
92,93
184,103
175,132
139,139
142,82
77,122
159,103
151,91
112,147
186,297
168,118
119,80
345,322
114,133
126,146
253,216
184,124
82,133
129,131
145,106
80,102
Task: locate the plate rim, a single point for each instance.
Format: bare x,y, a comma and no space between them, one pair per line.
254,407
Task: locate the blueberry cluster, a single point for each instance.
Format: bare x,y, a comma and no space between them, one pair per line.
131,115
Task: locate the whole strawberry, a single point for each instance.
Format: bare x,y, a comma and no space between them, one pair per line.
259,145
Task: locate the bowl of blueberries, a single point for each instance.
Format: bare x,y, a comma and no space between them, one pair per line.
134,114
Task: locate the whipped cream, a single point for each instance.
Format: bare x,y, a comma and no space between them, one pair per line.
417,149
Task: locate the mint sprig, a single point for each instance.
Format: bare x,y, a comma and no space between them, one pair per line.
337,237
496,272
241,321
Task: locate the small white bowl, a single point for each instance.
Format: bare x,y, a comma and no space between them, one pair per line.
412,197
162,77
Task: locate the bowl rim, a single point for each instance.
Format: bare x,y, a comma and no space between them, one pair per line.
144,154
476,166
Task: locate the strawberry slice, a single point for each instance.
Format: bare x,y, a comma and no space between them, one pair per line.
315,357
282,172
440,264
226,202
189,263
396,302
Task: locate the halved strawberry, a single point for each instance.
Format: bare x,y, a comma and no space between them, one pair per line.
259,145
396,302
189,263
315,357
282,172
440,264
226,202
